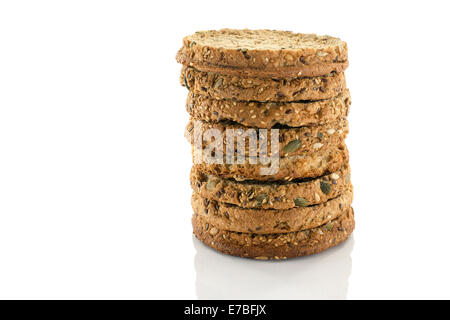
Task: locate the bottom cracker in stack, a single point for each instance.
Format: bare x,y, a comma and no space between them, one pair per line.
275,245
276,220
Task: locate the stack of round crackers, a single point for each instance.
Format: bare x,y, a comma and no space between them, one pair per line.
269,80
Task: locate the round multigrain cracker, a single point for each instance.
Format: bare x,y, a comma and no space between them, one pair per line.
274,195
263,53
291,141
269,114
312,164
220,86
266,221
278,245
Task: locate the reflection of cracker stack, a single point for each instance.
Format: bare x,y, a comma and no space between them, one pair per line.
244,79
323,276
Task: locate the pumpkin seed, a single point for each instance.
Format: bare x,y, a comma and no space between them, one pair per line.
329,225
292,146
301,202
325,187
262,198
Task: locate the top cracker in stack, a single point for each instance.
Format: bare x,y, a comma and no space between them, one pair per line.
263,53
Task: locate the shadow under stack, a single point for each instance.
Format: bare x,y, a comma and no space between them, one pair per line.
262,79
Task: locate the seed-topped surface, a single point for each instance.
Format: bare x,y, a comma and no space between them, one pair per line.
262,40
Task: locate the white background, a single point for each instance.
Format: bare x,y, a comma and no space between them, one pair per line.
94,187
